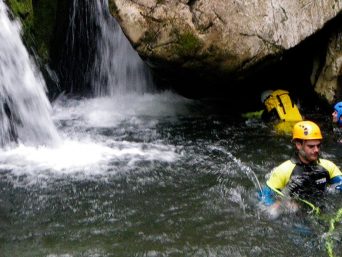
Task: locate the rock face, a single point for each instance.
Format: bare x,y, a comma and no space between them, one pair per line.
223,35
329,80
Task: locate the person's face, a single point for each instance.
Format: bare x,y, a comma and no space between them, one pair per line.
308,150
334,116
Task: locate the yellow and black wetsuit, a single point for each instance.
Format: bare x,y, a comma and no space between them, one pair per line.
302,180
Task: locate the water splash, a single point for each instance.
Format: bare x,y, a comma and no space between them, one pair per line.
246,169
24,107
110,112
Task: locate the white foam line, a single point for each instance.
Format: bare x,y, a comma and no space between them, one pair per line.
74,156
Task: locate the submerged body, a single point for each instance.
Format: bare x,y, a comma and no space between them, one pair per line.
279,111
303,180
279,104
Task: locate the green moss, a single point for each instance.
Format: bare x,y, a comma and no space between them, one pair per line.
38,21
44,24
187,44
24,10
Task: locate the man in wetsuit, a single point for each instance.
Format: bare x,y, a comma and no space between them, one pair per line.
305,176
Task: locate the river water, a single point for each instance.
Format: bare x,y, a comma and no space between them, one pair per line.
152,174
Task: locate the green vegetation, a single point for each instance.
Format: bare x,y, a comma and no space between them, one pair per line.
187,44
24,10
44,24
38,22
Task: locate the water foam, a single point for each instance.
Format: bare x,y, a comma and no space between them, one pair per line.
71,156
110,111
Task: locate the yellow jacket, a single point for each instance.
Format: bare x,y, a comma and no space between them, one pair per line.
281,102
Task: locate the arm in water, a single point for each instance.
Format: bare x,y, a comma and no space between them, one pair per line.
271,192
268,197
334,173
337,182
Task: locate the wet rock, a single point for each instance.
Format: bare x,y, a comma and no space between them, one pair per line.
222,36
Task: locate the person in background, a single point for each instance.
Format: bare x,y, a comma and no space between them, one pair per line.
277,108
337,119
280,109
304,177
278,105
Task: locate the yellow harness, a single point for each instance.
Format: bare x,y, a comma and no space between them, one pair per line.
286,109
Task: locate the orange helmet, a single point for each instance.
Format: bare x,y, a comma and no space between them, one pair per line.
306,130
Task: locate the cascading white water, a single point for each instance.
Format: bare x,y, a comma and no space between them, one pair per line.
116,68
121,87
24,107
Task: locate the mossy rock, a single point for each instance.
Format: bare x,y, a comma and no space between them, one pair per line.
22,9
187,44
38,20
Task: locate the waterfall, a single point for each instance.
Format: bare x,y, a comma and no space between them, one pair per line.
110,65
24,107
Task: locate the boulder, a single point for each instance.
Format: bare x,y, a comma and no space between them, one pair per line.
225,36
